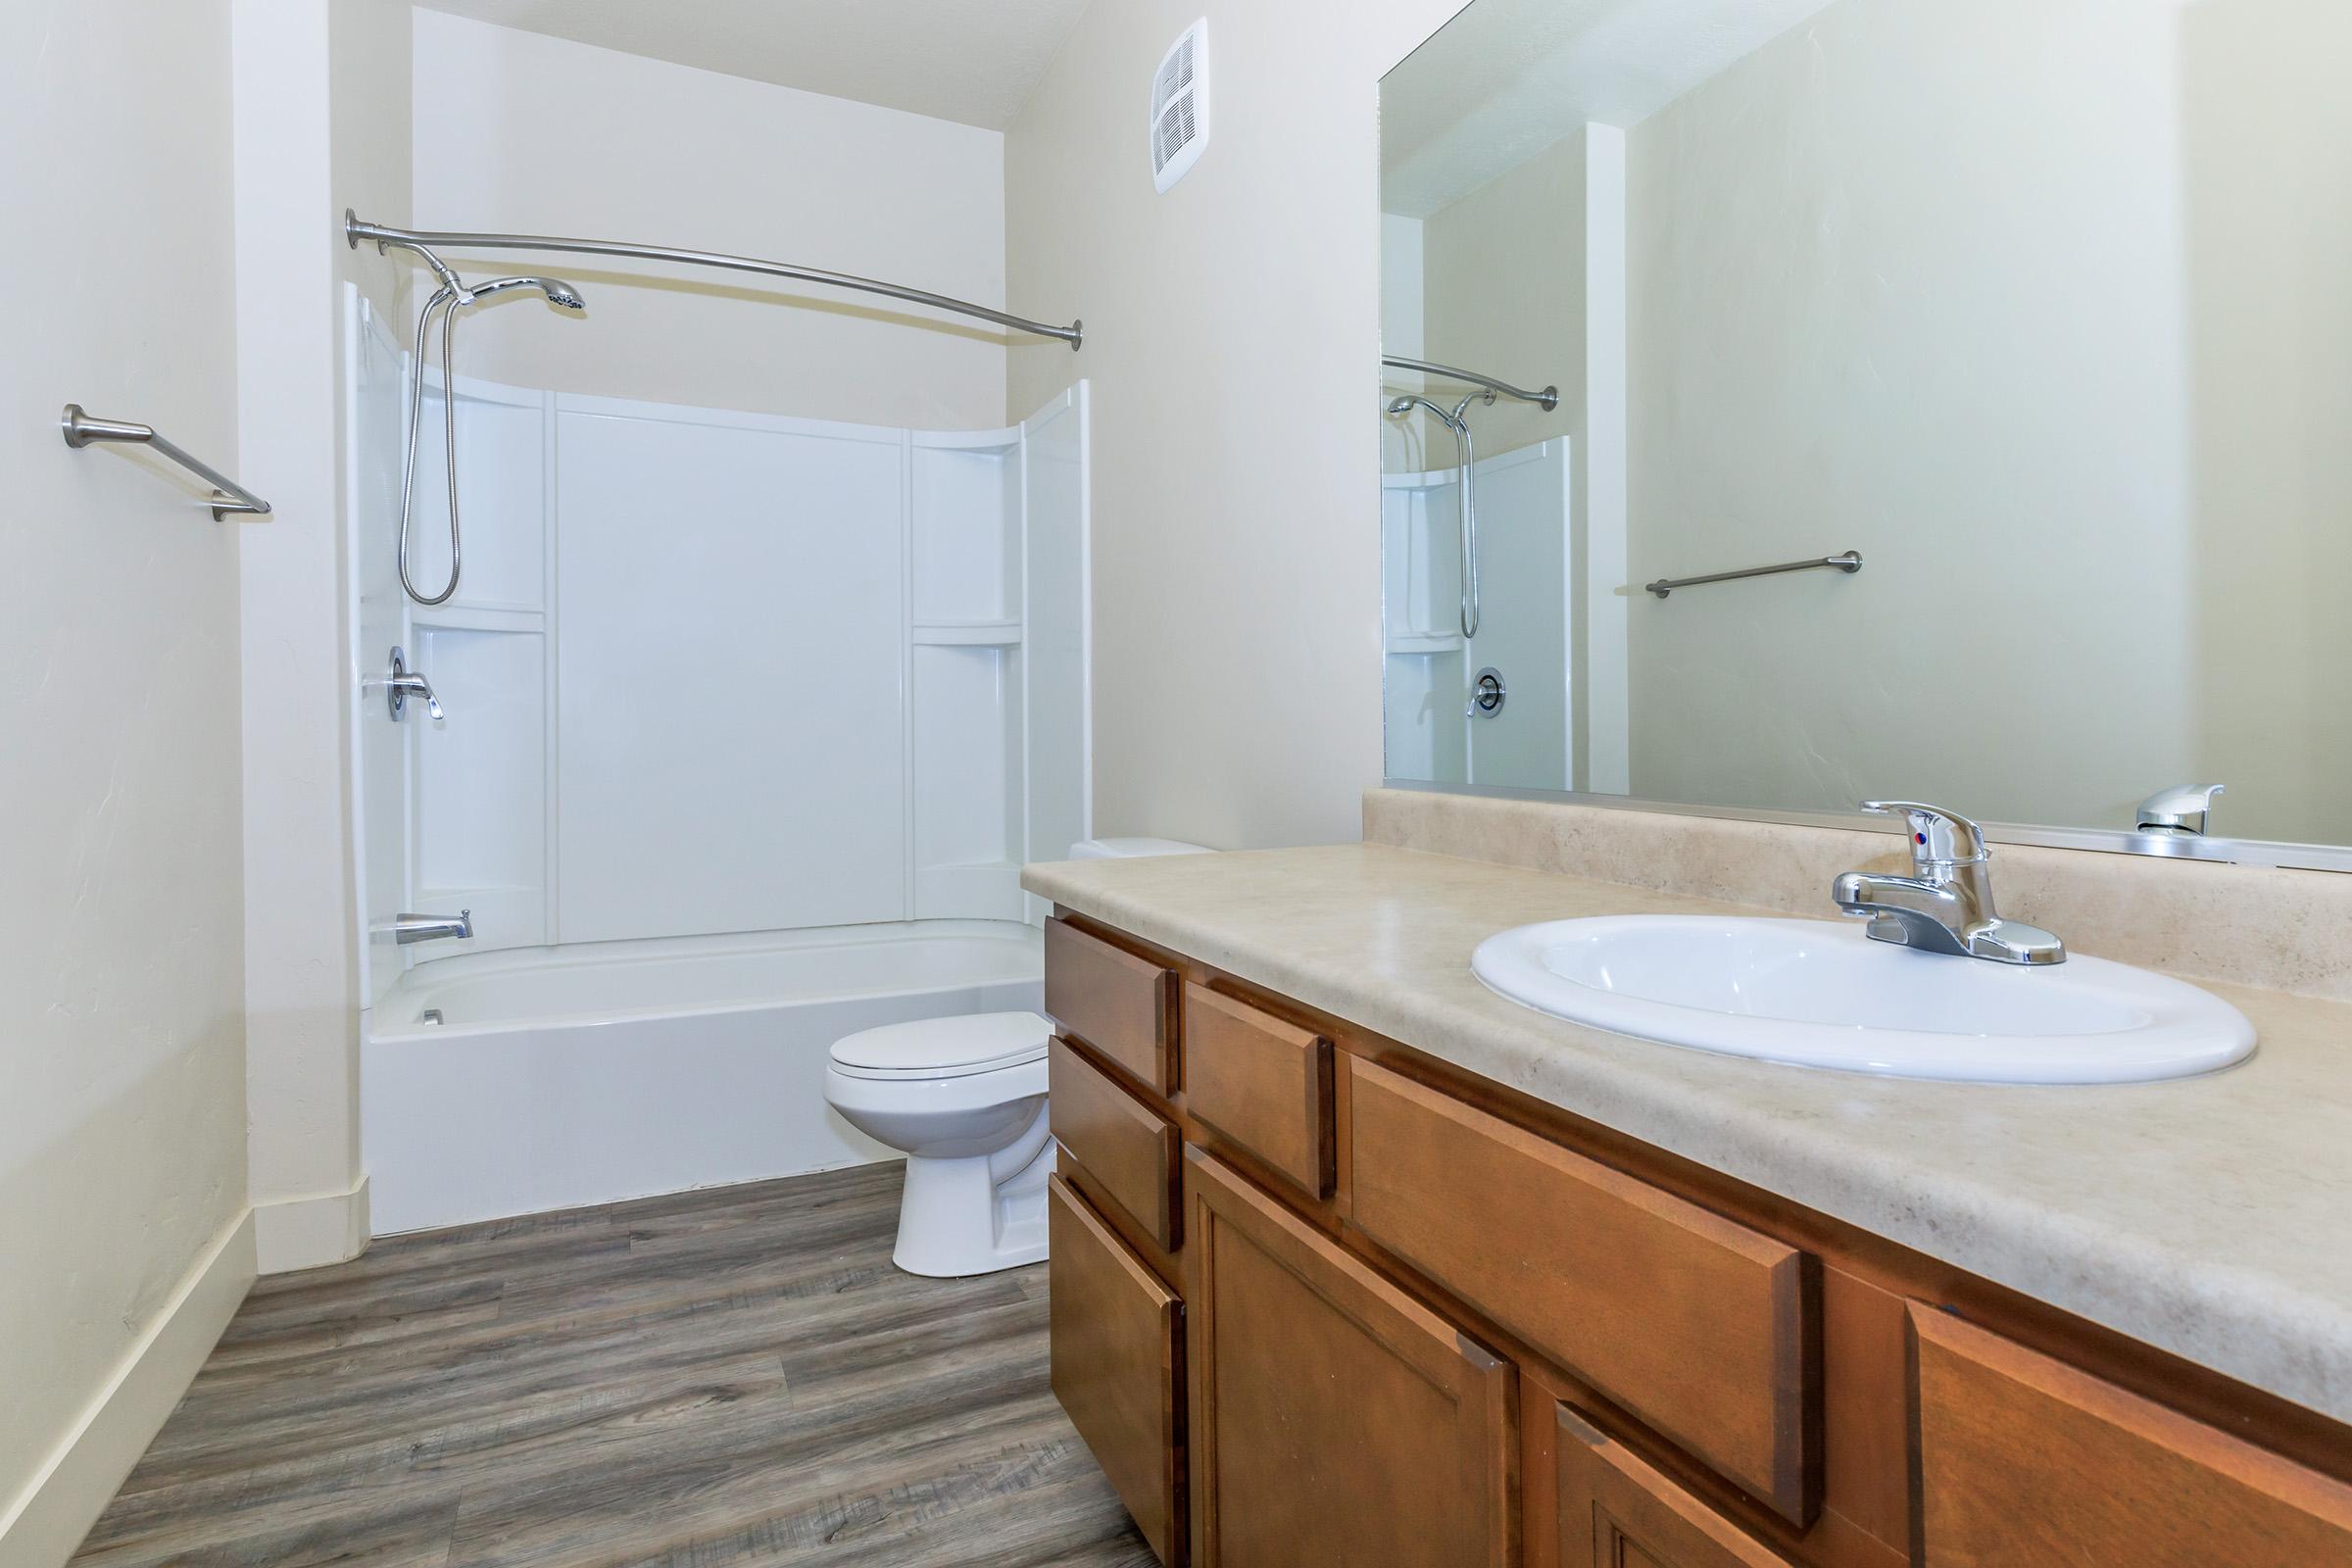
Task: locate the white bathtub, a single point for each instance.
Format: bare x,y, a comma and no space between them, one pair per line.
559,1077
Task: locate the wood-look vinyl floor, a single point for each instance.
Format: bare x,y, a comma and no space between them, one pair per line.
732,1376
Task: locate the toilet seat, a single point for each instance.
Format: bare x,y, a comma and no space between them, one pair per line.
944,1048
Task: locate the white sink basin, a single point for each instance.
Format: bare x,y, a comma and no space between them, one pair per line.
1819,994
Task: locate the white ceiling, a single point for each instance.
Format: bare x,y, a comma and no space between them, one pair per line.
973,61
1507,78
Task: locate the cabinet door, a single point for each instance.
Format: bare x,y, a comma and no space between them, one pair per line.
1707,1329
1335,1419
1116,1344
2025,1459
1618,1512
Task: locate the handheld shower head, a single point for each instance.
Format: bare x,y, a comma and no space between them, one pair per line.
559,293
446,300
1405,405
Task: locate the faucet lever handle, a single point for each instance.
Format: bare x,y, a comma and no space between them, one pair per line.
1937,836
2183,807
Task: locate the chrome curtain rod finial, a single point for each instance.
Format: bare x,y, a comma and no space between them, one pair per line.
228,499
1850,562
427,242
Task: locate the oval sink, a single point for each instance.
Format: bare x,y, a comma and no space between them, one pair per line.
1820,994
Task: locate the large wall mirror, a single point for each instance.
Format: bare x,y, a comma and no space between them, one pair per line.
2018,331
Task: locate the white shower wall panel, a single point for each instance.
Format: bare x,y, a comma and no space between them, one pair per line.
731,650
480,779
375,403
1055,708
501,494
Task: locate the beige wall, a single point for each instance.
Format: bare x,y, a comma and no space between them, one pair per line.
529,134
1503,272
121,1030
2266,143
1893,292
1233,331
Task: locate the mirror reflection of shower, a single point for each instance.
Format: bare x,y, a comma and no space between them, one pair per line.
446,299
1496,601
1464,495
1485,391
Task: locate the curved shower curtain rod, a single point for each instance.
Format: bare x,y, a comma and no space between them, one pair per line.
1550,397
426,241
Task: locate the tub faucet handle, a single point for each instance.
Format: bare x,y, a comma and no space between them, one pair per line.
404,683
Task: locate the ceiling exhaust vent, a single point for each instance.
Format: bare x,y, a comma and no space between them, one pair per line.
1180,107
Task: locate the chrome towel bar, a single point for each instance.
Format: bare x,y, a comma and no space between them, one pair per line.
229,496
1850,562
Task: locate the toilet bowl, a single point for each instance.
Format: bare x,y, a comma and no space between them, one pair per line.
964,1098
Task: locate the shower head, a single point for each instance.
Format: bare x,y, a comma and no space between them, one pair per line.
1406,404
559,293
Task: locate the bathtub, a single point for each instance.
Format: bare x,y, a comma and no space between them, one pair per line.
558,1077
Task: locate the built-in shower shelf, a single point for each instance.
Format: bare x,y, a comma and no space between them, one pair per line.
1425,642
457,615
968,633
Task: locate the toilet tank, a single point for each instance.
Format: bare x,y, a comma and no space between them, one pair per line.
1130,848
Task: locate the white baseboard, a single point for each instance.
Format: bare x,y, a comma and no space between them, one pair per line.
310,1231
42,1527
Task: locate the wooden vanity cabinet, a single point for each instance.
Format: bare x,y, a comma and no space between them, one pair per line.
1616,1511
1119,1003
1117,1359
1705,1327
1334,1419
2020,1458
1319,1300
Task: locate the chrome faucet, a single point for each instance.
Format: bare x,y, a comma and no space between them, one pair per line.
2181,809
409,928
1945,906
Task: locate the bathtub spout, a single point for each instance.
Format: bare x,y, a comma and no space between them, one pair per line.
409,928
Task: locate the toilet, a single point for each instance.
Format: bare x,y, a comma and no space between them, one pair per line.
964,1098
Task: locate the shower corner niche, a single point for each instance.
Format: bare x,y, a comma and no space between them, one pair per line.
985,544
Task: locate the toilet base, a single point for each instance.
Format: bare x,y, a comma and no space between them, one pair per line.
956,1218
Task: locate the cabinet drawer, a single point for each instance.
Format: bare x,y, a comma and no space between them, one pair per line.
1335,1419
1705,1329
1261,1082
1117,1343
1616,1511
1131,1151
2023,1459
1122,1005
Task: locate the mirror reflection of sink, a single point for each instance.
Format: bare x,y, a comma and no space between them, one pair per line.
1819,994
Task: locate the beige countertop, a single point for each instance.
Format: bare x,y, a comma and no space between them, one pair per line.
2210,1217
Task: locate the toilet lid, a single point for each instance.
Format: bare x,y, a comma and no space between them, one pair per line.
945,1048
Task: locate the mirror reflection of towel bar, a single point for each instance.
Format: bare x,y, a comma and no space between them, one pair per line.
1850,562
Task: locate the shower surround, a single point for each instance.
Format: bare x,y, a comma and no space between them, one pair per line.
765,684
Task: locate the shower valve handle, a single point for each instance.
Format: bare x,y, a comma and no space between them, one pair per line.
404,683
